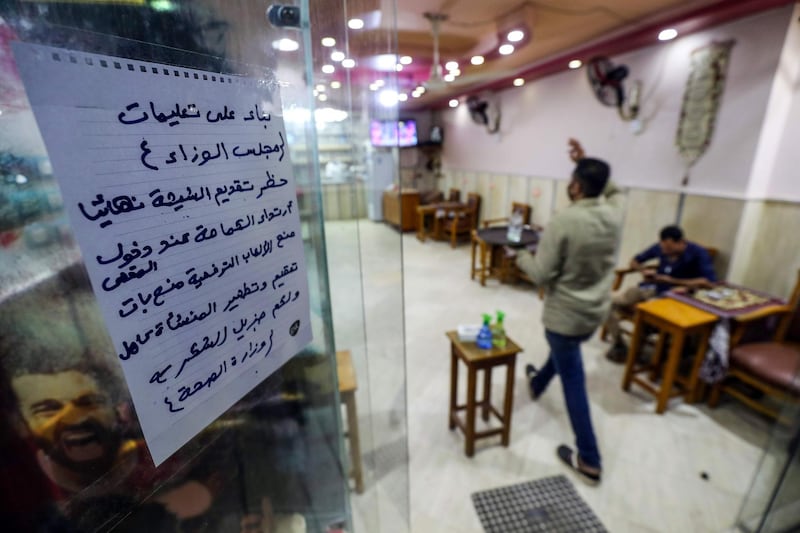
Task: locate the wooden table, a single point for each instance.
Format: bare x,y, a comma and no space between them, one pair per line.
477,359
400,207
487,249
430,210
678,320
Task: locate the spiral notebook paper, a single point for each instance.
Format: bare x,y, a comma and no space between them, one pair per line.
180,192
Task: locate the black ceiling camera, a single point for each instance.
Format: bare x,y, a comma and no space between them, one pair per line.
284,16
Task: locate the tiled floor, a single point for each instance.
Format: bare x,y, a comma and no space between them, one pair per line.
652,464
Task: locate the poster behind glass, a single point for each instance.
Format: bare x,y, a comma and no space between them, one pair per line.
271,462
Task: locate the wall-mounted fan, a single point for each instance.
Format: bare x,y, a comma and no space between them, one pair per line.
608,83
484,112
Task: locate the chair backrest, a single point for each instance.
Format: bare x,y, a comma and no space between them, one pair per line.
789,329
474,206
522,209
454,195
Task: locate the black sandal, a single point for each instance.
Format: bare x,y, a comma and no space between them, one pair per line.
531,372
570,458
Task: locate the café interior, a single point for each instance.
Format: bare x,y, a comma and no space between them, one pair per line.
429,145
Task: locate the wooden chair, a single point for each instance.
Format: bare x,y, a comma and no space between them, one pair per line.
524,209
347,395
454,195
770,367
463,221
619,278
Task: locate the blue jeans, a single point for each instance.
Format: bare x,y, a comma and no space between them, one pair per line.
565,359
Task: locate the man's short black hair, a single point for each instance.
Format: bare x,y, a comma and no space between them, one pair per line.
673,233
592,174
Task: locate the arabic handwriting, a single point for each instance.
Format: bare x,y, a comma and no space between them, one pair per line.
170,199
287,269
197,349
127,275
115,206
285,299
243,292
173,322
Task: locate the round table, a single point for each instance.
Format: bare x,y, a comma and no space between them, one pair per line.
490,242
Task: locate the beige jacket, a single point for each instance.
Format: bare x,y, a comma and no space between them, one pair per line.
574,263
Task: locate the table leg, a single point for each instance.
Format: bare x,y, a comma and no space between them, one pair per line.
355,443
474,247
421,226
453,385
508,405
655,363
483,263
670,369
487,393
693,393
633,349
469,445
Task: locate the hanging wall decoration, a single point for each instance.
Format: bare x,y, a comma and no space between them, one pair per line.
704,88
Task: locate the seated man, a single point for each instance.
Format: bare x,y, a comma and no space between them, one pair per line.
681,263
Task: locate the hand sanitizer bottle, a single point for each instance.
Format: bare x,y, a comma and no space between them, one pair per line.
484,340
499,331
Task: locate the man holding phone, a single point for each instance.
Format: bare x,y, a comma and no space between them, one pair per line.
681,263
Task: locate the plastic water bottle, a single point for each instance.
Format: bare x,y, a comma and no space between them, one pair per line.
484,340
515,227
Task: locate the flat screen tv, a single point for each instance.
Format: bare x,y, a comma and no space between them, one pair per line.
393,133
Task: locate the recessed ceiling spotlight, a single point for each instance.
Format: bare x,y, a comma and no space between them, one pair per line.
285,45
328,41
406,60
450,65
519,82
575,63
415,94
337,56
322,97
320,87
379,83
335,84
506,49
355,24
328,69
402,97
456,72
398,67
449,77
420,89
667,34
348,63
388,98
373,87
515,36
476,60
454,103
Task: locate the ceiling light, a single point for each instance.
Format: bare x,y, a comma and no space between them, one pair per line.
449,77
406,60
668,34
328,41
379,83
348,63
337,56
402,97
450,65
476,60
355,24
416,94
398,67
285,45
335,84
515,36
322,97
388,98
373,87
456,72
519,82
316,92
454,103
328,69
575,63
506,49
420,89
320,87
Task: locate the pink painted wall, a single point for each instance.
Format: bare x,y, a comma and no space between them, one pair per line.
540,116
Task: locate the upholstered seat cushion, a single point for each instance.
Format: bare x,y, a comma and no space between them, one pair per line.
775,363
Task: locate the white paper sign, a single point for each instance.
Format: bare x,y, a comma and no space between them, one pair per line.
182,198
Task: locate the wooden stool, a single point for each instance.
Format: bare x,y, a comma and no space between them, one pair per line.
347,393
679,320
477,359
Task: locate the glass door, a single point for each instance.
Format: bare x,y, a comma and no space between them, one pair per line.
77,452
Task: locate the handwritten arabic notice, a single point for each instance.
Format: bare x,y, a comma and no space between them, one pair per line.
181,195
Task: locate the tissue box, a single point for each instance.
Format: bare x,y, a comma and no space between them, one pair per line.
468,332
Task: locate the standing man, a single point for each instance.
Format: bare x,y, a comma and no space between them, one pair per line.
574,264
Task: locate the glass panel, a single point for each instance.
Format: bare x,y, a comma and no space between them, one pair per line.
276,460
